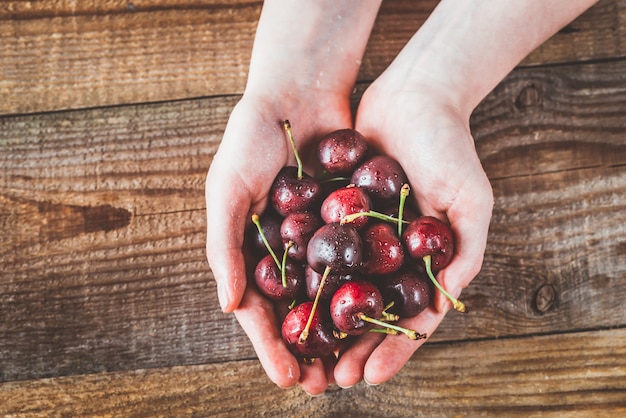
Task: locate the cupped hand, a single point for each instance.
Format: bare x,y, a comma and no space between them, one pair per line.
431,139
253,150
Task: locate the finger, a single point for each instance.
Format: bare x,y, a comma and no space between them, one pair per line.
469,220
390,356
313,377
227,207
351,363
257,317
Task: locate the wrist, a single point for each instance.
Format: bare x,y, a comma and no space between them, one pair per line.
312,45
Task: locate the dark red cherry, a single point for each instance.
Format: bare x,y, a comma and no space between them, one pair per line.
382,177
346,201
268,279
298,228
353,300
428,235
270,223
320,341
289,194
383,252
335,246
410,292
341,151
332,283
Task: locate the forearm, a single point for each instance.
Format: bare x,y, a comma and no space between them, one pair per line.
318,44
468,47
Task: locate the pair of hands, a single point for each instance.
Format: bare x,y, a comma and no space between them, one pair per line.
417,112
427,136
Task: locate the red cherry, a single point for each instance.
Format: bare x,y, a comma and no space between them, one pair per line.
320,341
383,252
346,201
341,151
428,235
351,302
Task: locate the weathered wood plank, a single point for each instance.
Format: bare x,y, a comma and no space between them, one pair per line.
103,225
102,213
579,375
68,55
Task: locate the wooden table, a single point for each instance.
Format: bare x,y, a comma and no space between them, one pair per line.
111,114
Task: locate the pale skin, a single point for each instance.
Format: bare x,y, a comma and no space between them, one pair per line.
417,111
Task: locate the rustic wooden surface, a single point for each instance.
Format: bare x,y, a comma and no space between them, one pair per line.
110,113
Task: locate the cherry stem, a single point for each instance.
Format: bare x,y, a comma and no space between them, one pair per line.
340,335
387,331
458,305
404,192
287,127
386,316
283,272
408,332
372,214
330,180
255,220
305,332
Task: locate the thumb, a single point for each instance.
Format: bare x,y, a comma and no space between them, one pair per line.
227,207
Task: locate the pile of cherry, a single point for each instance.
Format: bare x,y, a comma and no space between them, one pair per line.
347,252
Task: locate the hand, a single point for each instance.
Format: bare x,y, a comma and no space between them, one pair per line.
432,142
253,150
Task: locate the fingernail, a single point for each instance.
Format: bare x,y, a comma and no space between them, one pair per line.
370,383
222,295
344,387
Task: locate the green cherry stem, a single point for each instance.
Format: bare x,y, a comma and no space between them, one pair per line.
372,214
408,332
287,127
404,192
387,331
283,273
255,220
305,332
387,316
332,179
458,305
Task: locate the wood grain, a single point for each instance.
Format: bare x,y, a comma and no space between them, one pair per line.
69,55
577,375
110,115
103,225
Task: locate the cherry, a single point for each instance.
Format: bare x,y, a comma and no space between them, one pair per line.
346,201
410,292
355,308
320,341
290,194
428,235
431,240
298,228
332,283
270,223
341,151
269,279
351,303
335,246
383,252
292,189
382,177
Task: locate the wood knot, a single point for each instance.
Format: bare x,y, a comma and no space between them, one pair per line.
545,298
529,96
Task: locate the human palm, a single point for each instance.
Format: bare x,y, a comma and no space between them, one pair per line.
433,144
253,150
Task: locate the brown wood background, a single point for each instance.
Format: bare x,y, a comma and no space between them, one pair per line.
110,113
